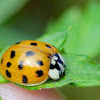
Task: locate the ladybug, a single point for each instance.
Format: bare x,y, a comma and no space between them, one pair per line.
31,63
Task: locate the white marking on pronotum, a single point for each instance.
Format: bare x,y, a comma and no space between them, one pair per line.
61,67
53,60
54,74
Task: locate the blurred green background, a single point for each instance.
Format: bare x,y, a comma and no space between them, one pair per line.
29,19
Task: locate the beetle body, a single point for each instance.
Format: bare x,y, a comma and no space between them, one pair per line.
31,63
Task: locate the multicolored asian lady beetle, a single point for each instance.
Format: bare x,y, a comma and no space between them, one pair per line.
31,63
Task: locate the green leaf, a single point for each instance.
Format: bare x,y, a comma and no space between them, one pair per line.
3,80
0,98
10,7
89,38
82,72
57,39
84,36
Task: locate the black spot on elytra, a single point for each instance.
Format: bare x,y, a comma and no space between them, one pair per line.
8,64
49,55
29,53
34,44
40,62
17,42
1,61
8,73
12,54
25,80
20,66
48,46
40,73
